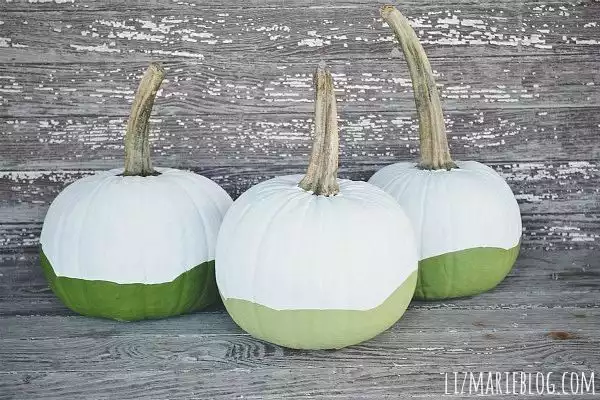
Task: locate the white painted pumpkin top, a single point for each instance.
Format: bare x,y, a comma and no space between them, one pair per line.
131,229
284,248
463,208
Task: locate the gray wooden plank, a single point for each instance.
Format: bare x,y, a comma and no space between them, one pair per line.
356,382
226,86
213,353
406,347
540,279
540,187
249,5
418,319
312,32
208,140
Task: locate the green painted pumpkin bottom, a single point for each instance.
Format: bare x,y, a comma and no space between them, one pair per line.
190,291
464,273
321,329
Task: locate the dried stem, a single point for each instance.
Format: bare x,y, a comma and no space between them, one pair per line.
435,153
137,143
321,176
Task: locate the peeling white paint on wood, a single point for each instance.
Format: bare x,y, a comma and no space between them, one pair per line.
209,86
496,27
208,139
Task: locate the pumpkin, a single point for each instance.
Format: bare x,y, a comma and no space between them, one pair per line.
316,262
464,214
135,242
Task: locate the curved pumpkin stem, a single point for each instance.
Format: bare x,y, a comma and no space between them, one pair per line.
321,176
137,141
435,153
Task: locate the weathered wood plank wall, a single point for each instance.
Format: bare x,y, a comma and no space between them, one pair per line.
520,84
518,81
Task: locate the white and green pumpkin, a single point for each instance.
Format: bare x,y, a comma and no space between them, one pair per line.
465,216
316,262
137,242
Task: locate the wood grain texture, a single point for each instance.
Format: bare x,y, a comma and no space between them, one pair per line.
354,31
225,86
250,5
275,383
494,342
430,321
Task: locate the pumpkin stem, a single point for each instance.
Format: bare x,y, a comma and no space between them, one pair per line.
321,175
435,153
137,143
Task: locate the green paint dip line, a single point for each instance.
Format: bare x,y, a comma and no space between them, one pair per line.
464,273
321,329
190,291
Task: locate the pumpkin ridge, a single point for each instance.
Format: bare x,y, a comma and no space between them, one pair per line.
182,189
91,197
260,245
